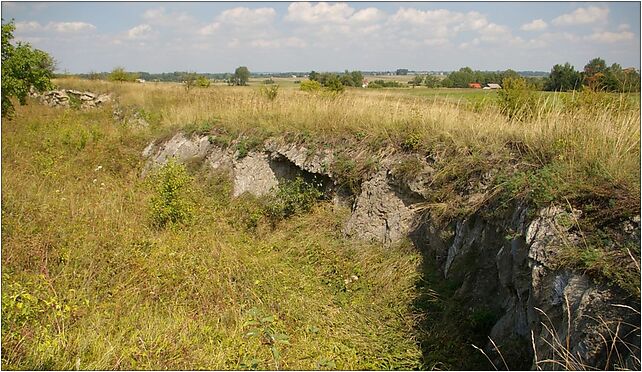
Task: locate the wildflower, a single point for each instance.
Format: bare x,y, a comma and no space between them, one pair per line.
98,168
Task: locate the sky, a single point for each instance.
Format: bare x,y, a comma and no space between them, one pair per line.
334,36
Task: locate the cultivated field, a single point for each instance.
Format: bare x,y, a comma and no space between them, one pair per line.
90,283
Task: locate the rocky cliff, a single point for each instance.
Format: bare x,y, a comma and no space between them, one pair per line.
505,260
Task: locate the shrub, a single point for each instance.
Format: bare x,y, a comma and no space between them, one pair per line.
203,82
171,203
517,99
310,86
292,197
268,81
270,92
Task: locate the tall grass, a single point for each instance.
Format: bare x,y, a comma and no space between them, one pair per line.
601,133
89,282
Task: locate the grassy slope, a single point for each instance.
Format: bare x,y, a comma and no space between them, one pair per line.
87,280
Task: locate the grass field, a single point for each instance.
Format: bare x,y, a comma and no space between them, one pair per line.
90,283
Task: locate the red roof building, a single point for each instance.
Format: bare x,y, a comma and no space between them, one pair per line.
474,85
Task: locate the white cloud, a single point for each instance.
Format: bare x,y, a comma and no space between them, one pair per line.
242,16
159,17
209,29
582,16
535,25
28,26
368,15
139,32
610,37
289,42
322,13
294,42
70,27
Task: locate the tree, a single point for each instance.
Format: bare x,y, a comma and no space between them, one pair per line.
431,81
594,72
23,68
416,81
333,84
241,76
564,78
357,78
401,71
119,74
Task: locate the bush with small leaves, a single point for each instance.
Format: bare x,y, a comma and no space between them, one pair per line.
171,203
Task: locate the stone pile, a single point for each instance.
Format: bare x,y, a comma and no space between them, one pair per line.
71,98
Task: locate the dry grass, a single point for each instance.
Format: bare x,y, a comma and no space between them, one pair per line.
605,139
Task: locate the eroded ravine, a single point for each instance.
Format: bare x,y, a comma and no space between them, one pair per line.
498,264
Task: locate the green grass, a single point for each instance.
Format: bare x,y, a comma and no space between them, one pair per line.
90,282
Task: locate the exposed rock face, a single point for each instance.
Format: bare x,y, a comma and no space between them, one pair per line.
70,97
257,173
504,264
380,213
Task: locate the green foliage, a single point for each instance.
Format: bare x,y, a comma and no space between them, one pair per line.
268,81
119,74
171,203
23,68
517,99
385,84
241,76
412,142
265,329
203,82
564,78
270,92
310,86
245,145
432,81
334,85
466,75
416,81
292,197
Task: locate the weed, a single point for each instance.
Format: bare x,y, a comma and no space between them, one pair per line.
291,197
270,92
171,204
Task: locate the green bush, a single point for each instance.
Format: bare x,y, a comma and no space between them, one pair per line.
517,99
203,82
310,86
292,197
171,203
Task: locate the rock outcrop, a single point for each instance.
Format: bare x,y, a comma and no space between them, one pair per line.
72,98
504,263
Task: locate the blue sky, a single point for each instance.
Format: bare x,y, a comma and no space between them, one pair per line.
301,36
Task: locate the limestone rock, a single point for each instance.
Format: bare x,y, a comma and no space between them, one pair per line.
380,213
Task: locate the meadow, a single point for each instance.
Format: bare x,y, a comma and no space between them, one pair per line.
89,282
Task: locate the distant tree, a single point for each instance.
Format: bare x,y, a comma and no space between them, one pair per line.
119,74
631,80
241,76
189,80
314,76
333,84
23,68
564,78
402,71
431,81
346,79
357,78
416,81
594,72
